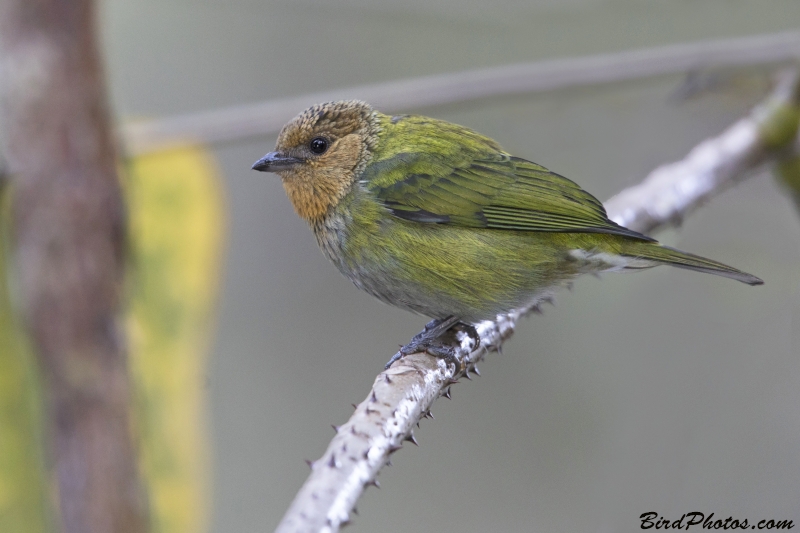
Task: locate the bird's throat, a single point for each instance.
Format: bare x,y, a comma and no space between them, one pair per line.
316,187
314,199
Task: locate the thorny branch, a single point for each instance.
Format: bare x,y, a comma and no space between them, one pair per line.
402,395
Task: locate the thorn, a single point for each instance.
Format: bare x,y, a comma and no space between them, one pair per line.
355,511
417,424
446,394
536,309
389,462
310,463
335,427
373,398
410,438
500,349
452,381
429,415
475,369
393,449
387,378
374,483
332,462
354,406
466,373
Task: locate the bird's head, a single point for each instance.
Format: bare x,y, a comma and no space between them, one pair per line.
320,153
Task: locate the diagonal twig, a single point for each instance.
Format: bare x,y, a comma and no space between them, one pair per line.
402,395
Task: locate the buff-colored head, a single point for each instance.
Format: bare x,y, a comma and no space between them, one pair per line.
320,153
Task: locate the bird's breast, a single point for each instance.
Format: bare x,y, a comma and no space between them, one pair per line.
435,270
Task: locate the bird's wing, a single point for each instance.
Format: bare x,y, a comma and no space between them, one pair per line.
486,190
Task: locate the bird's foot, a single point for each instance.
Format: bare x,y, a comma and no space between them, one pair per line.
429,340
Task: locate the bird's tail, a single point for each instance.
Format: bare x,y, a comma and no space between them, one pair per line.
643,252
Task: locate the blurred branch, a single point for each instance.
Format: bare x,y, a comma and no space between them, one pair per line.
402,395
68,227
267,118
672,191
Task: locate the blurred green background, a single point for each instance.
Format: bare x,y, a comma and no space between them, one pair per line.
664,391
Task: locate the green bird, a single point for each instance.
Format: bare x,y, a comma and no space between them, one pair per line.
437,219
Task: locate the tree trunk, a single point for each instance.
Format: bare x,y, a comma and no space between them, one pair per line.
68,243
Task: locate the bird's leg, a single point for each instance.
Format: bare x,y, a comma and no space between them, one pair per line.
426,341
432,331
422,340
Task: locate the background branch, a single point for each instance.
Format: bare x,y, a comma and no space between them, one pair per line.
672,191
68,227
267,118
402,395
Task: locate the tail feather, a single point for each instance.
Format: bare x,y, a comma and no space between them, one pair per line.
677,258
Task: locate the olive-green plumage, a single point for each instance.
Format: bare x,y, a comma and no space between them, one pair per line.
435,218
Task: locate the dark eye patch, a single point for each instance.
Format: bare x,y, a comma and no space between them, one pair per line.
318,145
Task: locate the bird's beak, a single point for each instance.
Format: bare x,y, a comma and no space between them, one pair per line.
275,162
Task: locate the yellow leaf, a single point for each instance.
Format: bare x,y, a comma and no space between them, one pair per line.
177,223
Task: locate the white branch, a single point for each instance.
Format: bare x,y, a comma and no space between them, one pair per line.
671,192
267,118
403,394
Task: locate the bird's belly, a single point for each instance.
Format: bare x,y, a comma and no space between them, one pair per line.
439,270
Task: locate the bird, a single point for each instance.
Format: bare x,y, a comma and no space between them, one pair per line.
437,219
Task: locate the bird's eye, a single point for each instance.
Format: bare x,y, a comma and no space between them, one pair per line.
318,145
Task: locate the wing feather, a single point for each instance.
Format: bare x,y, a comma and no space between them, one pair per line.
475,184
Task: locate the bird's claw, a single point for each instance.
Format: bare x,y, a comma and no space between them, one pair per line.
394,358
448,353
428,340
